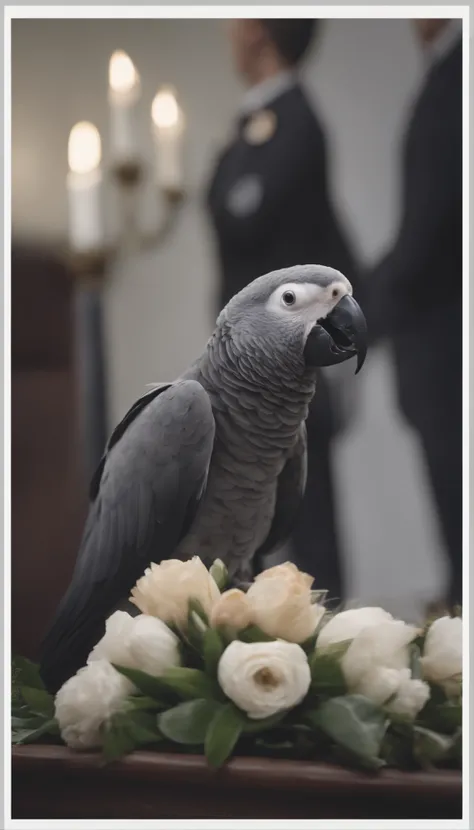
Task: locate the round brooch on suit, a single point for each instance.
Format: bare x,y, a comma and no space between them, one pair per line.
261,127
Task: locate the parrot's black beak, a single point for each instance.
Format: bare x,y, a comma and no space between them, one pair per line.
339,336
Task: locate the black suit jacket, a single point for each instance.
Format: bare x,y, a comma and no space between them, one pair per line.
285,216
422,275
416,292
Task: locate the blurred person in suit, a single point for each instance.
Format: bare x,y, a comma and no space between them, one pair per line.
414,296
270,208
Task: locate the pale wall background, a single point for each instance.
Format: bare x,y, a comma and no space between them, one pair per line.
158,306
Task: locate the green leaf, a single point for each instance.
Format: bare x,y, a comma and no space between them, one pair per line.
319,597
419,641
227,634
222,735
190,648
128,730
144,703
27,722
213,649
429,748
188,722
327,677
336,650
353,722
254,634
38,700
308,645
252,727
26,673
116,742
29,736
415,662
19,707
437,694
196,606
397,745
189,684
346,758
143,726
197,625
445,717
151,687
219,573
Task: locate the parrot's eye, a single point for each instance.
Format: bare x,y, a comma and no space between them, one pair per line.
289,298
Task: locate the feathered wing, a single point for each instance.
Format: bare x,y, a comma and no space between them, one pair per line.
145,496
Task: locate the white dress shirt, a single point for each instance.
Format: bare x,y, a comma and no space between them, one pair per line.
445,42
265,92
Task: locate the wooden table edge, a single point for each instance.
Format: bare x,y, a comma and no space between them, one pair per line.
240,772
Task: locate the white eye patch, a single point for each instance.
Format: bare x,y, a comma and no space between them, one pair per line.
294,296
306,302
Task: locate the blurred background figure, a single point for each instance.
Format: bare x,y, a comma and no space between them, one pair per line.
270,207
416,290
159,302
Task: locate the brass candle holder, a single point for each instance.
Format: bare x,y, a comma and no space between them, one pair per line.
128,178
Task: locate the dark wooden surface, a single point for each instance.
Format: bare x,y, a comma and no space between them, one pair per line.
50,782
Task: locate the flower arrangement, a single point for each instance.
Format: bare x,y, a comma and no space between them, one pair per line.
269,671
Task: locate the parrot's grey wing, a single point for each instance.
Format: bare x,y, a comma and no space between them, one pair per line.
290,491
119,430
148,490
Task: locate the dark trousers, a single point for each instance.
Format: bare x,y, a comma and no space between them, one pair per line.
315,539
429,373
443,457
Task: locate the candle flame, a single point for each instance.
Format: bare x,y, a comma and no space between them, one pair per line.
84,148
165,110
123,76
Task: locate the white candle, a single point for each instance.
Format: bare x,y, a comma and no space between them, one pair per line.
86,232
124,92
168,130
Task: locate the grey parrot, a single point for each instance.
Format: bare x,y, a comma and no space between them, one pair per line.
213,464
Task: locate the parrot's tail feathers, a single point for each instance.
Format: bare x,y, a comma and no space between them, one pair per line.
65,651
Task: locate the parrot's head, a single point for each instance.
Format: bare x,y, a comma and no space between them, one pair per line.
307,309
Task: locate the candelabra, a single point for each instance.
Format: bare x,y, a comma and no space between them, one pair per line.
90,252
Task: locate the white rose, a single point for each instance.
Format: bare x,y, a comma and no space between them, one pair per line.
141,642
380,684
377,653
264,678
232,609
384,645
165,589
153,647
408,696
87,700
442,653
280,602
411,696
347,624
113,645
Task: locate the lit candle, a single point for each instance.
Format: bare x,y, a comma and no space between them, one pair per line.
168,129
84,188
124,92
